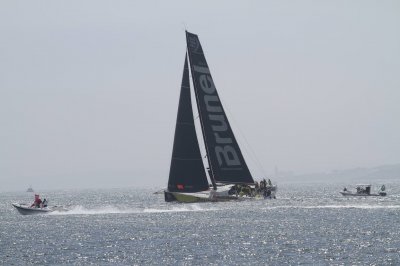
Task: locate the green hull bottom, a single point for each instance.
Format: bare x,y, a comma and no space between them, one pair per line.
204,197
191,198
185,198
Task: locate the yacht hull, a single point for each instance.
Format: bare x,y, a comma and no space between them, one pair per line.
351,194
204,196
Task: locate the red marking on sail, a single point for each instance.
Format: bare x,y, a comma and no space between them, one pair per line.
179,186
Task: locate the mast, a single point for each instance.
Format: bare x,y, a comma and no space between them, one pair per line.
226,162
210,169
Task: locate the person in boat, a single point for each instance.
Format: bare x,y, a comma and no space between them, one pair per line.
269,182
256,188
44,203
345,189
262,185
267,193
245,191
37,202
233,190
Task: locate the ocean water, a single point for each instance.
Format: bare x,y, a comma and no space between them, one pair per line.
308,224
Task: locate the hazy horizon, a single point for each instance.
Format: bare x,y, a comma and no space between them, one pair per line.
89,90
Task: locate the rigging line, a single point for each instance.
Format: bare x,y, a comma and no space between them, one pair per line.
252,152
253,155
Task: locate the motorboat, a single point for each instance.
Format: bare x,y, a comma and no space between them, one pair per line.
364,190
26,209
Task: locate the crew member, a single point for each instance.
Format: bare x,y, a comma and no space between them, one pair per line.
37,202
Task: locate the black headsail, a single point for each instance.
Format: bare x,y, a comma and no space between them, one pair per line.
187,173
226,161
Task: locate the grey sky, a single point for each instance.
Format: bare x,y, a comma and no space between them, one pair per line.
89,89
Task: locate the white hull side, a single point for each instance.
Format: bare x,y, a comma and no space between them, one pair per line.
25,209
351,194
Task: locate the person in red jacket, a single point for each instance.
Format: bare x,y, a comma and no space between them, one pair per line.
37,203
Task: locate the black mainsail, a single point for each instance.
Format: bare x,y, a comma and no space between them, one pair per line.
187,173
226,161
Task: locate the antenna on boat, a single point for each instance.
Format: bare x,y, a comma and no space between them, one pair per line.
184,25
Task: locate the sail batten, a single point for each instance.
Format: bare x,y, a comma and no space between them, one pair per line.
186,159
187,173
225,158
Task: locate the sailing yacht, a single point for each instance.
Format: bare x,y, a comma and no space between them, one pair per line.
227,168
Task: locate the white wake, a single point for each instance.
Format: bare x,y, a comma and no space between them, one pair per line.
80,210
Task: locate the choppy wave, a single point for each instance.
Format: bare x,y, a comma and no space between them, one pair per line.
304,225
338,207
